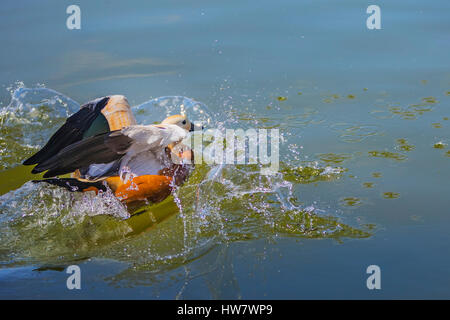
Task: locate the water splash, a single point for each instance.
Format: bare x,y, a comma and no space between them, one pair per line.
219,204
29,120
40,221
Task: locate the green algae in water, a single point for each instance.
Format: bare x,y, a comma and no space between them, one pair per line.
368,185
439,145
21,137
260,214
391,195
351,202
306,225
405,114
355,133
420,109
388,155
413,110
436,125
430,100
404,145
376,174
351,96
335,158
309,174
281,98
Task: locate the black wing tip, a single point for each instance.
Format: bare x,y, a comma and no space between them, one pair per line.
27,162
46,175
36,170
51,174
72,184
31,160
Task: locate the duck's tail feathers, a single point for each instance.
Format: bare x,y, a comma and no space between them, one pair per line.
75,185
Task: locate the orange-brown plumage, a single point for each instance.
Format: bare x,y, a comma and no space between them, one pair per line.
147,187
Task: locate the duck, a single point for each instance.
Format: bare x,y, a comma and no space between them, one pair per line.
102,147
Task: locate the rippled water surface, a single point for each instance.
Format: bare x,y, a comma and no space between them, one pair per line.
364,154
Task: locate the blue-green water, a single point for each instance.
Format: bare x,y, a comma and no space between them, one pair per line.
373,102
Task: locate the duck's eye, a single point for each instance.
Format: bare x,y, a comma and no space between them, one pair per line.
184,122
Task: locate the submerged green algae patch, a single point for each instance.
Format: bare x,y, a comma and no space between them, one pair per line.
440,145
309,174
335,158
308,225
403,145
410,112
13,139
12,152
387,155
376,174
391,195
355,132
241,205
430,100
350,202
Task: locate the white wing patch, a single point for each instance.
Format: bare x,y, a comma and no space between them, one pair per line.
147,155
155,137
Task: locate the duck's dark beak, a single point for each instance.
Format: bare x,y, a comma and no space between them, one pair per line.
196,127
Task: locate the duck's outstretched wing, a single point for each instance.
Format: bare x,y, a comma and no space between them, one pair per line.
108,148
73,130
95,117
99,149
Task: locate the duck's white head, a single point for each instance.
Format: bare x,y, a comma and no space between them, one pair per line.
180,120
